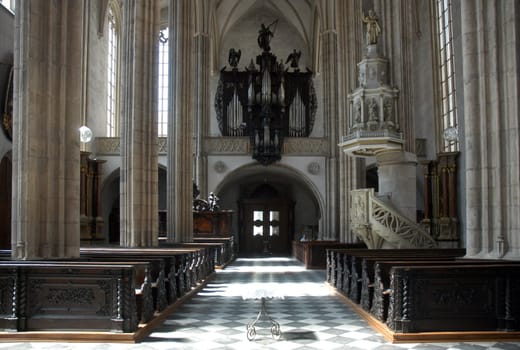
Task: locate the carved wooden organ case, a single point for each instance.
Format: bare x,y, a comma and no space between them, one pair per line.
266,102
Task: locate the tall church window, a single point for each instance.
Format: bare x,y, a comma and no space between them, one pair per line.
162,104
9,4
113,40
446,76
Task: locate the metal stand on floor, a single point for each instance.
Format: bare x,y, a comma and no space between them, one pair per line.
275,326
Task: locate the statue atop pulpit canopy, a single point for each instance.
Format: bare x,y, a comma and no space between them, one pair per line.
373,28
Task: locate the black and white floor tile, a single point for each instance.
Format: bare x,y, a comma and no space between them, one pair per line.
309,315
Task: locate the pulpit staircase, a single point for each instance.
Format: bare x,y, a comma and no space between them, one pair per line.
380,226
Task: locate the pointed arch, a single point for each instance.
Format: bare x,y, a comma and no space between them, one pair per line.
278,171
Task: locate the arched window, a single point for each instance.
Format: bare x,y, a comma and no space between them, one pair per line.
446,77
162,104
113,44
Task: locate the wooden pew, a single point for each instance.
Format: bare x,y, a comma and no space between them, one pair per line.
334,262
163,272
382,278
174,265
181,264
446,298
68,295
222,248
207,257
348,264
366,281
158,273
313,254
226,254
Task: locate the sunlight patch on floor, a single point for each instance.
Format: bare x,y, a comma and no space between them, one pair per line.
263,269
257,290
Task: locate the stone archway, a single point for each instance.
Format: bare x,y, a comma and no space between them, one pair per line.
293,186
110,198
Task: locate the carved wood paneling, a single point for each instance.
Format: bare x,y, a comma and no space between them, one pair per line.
440,197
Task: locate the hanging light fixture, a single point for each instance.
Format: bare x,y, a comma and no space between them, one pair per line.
85,134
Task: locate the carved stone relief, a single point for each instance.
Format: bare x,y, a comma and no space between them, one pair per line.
313,168
306,146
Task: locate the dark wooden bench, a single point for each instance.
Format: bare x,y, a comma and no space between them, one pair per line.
68,295
167,276
226,254
347,264
157,273
182,264
313,254
382,278
208,255
447,297
334,261
221,248
367,283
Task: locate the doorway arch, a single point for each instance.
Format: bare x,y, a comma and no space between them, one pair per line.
111,206
292,185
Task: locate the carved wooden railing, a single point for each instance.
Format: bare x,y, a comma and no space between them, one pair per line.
381,226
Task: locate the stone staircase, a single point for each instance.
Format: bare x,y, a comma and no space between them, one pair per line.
381,226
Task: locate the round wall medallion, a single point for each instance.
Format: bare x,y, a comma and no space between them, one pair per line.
313,168
220,167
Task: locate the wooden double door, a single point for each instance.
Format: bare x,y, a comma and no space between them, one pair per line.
266,227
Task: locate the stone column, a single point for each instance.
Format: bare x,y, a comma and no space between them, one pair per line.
491,139
180,122
139,212
329,51
351,170
397,172
48,57
396,44
202,96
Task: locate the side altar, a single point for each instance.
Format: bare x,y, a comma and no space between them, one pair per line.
212,224
209,221
208,224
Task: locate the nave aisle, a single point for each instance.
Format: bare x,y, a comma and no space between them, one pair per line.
309,314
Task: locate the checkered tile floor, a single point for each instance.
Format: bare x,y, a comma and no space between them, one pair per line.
310,317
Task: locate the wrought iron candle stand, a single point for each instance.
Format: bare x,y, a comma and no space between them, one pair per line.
275,326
